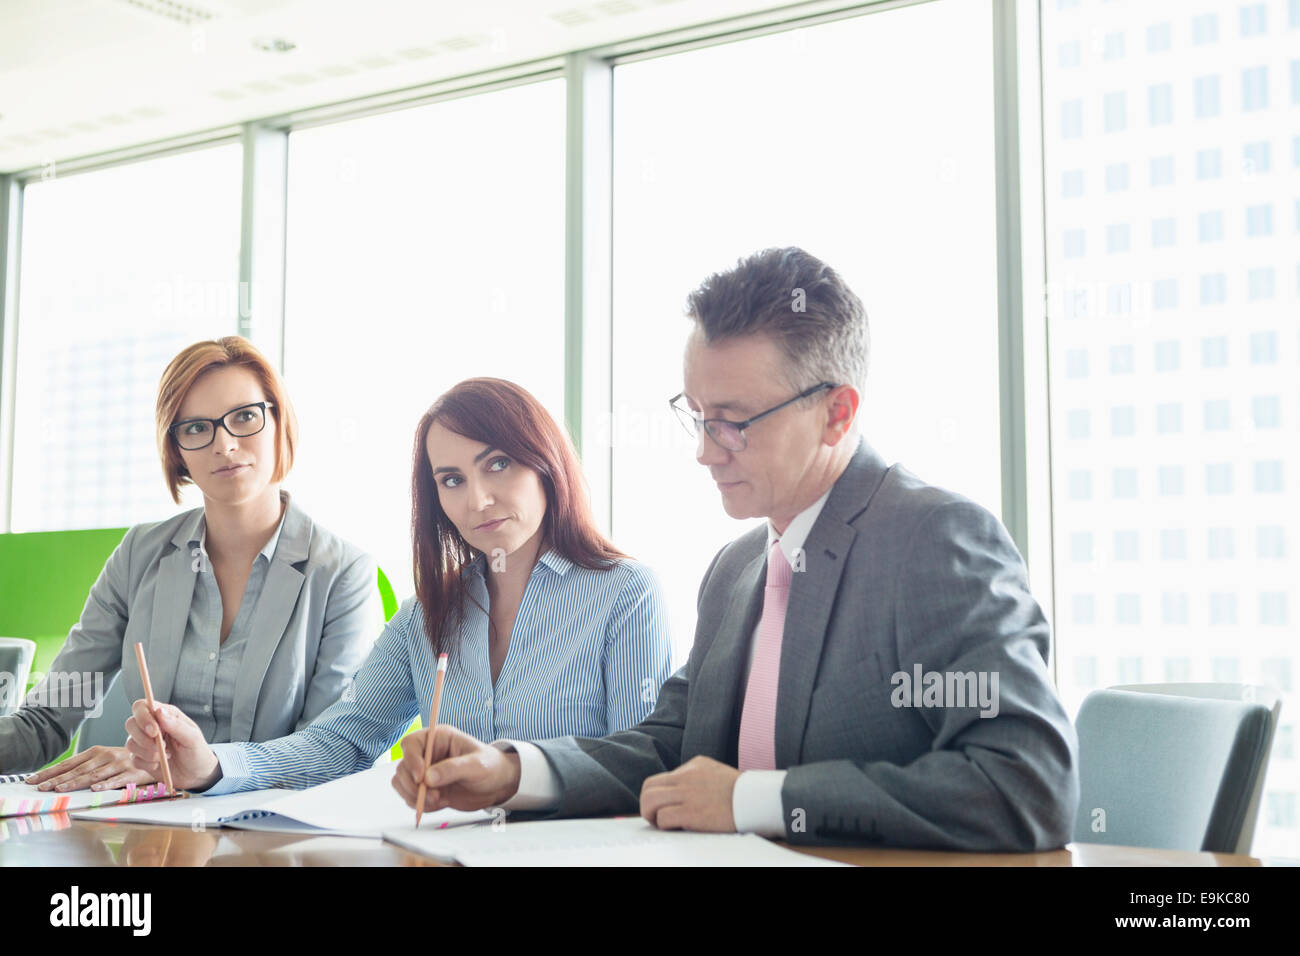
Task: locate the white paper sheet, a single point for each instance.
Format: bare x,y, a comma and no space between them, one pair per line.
606,841
359,805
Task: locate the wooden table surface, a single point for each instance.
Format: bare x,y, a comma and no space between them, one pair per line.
58,840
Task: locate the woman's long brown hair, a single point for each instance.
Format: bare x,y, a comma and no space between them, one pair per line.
505,416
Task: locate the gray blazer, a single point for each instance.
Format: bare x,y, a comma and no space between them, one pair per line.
898,573
318,615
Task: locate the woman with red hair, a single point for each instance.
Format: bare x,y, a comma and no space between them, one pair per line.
550,630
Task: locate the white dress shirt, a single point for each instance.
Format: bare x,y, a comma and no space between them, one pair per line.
756,799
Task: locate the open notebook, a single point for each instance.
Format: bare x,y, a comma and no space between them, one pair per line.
360,805
19,799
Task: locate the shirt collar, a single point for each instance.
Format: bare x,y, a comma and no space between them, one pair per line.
268,550
551,559
797,532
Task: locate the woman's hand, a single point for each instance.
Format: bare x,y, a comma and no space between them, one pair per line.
191,761
99,768
466,773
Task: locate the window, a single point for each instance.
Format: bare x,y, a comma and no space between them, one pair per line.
1170,479
1214,289
1160,105
1270,542
1126,545
1266,411
1209,226
1254,19
1272,609
433,201
1263,348
1256,158
1217,415
1223,612
940,418
1117,237
1254,88
1169,418
1163,232
1209,163
1269,477
1113,47
1116,177
1123,421
1259,284
1167,355
1115,112
1205,95
121,269
1080,424
1081,546
1259,220
1124,483
1214,351
1072,119
1218,478
1072,184
1121,359
1205,29
1220,544
1159,37
1173,544
1162,171
1164,294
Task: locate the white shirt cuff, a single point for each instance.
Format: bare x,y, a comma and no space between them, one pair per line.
539,786
756,802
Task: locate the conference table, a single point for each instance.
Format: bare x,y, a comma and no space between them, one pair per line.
58,840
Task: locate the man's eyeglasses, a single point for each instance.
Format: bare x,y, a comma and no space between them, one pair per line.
242,422
730,435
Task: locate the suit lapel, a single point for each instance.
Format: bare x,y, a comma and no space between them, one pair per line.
267,628
713,712
173,593
812,596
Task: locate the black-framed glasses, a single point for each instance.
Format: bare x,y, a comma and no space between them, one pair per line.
242,422
730,435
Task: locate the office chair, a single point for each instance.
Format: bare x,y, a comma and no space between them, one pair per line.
1174,770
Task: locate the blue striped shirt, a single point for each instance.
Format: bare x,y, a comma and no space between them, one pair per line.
587,656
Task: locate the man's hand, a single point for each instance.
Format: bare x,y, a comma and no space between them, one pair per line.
193,764
465,773
100,768
695,796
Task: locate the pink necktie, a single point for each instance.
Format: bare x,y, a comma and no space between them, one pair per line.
757,750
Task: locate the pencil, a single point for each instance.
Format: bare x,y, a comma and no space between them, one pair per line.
148,696
428,738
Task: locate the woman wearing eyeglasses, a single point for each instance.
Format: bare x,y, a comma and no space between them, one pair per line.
252,616
550,630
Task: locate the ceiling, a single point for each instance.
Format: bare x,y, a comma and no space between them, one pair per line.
80,77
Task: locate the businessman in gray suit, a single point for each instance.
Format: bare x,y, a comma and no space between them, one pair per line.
869,665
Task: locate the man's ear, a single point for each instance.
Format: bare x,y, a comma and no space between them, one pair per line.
842,406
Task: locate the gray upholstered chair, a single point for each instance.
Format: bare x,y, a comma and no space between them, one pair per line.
109,728
16,654
1175,766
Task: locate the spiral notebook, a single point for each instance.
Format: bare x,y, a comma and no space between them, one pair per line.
20,799
359,805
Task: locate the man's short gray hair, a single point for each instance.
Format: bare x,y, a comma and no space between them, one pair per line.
797,300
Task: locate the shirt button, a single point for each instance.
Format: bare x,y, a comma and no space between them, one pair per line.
487,704
207,708
212,656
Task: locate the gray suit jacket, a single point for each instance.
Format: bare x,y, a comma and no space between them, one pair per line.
318,615
898,573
